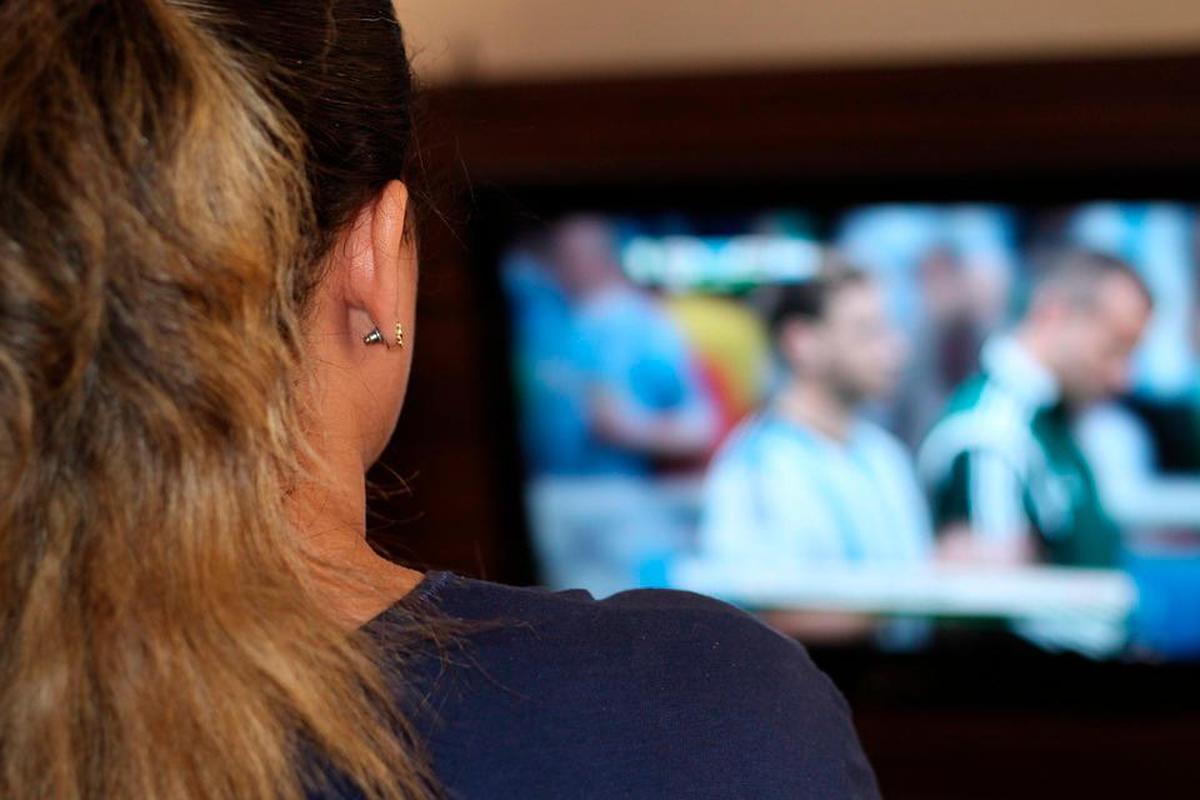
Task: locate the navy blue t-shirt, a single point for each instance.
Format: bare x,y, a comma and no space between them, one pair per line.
646,694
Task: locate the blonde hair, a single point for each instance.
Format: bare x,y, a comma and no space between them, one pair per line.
158,240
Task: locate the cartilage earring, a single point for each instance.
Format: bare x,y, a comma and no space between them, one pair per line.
374,337
399,336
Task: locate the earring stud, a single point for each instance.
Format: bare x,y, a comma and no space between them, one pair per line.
374,337
399,336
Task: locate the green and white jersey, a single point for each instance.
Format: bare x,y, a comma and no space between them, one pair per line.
1004,460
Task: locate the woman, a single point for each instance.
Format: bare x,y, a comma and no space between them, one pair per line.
207,277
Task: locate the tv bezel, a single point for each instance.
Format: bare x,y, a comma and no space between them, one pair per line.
1020,675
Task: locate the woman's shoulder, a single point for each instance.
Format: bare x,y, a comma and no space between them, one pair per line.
642,626
484,601
658,692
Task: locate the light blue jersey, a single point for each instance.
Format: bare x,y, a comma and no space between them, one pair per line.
620,343
637,355
781,492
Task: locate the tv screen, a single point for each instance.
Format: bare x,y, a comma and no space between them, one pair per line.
875,423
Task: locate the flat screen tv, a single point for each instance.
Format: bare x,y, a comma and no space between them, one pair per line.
891,420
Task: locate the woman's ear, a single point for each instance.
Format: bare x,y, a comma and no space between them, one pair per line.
375,252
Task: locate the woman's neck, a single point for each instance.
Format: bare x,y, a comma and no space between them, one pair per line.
348,577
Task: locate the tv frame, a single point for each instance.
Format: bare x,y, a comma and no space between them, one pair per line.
502,212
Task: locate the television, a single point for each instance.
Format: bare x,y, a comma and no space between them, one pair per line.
668,432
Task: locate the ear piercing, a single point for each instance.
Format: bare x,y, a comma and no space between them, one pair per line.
376,337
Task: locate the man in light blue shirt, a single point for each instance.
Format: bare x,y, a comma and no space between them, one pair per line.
809,480
643,397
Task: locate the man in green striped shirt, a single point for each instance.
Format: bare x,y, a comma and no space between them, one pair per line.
1006,477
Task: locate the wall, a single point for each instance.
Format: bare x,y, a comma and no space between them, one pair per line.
503,39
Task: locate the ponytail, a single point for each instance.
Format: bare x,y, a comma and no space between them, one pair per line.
156,220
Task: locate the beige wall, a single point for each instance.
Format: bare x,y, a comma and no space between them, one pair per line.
496,39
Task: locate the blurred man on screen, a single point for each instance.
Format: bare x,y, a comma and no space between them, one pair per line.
808,480
1008,480
645,400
